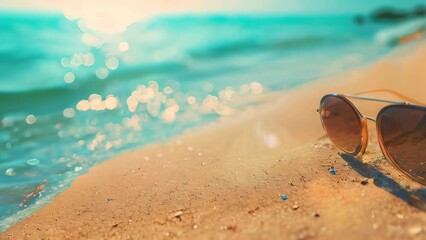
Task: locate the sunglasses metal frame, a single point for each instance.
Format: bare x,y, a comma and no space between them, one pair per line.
359,152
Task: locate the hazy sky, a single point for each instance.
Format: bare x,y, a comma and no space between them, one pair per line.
115,15
284,6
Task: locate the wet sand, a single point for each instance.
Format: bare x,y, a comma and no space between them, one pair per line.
227,180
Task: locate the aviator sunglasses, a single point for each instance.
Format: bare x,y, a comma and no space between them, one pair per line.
401,130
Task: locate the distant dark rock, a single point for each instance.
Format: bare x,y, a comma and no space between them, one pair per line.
359,20
419,11
389,14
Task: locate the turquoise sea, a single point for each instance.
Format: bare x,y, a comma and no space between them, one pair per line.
71,98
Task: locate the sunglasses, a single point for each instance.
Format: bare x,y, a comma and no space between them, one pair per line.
401,130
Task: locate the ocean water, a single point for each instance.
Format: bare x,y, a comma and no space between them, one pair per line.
71,98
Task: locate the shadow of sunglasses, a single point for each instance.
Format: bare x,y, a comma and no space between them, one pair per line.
414,197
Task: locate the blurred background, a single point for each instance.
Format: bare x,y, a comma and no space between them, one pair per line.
82,81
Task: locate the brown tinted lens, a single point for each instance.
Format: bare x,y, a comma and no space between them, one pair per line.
342,123
403,131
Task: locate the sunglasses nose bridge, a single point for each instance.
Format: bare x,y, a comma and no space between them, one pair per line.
370,118
365,134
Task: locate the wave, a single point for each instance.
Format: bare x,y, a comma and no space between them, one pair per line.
44,100
252,46
393,35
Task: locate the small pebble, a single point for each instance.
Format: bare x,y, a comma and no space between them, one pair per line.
295,206
364,182
232,228
177,215
332,171
284,197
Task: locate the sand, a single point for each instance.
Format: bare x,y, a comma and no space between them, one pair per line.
226,180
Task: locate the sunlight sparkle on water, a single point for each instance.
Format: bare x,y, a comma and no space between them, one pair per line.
89,59
112,63
96,103
69,77
82,24
169,115
244,89
102,73
76,60
30,119
7,121
210,104
65,62
100,137
105,16
256,87
10,172
226,94
123,46
192,100
133,122
33,162
91,40
168,90
69,112
111,102
83,105
165,104
208,87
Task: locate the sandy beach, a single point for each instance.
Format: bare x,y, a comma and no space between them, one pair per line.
226,180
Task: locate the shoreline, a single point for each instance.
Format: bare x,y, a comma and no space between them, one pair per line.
226,181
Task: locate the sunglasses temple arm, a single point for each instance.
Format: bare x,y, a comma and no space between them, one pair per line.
373,99
400,95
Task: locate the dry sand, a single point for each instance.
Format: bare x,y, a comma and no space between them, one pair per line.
225,181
